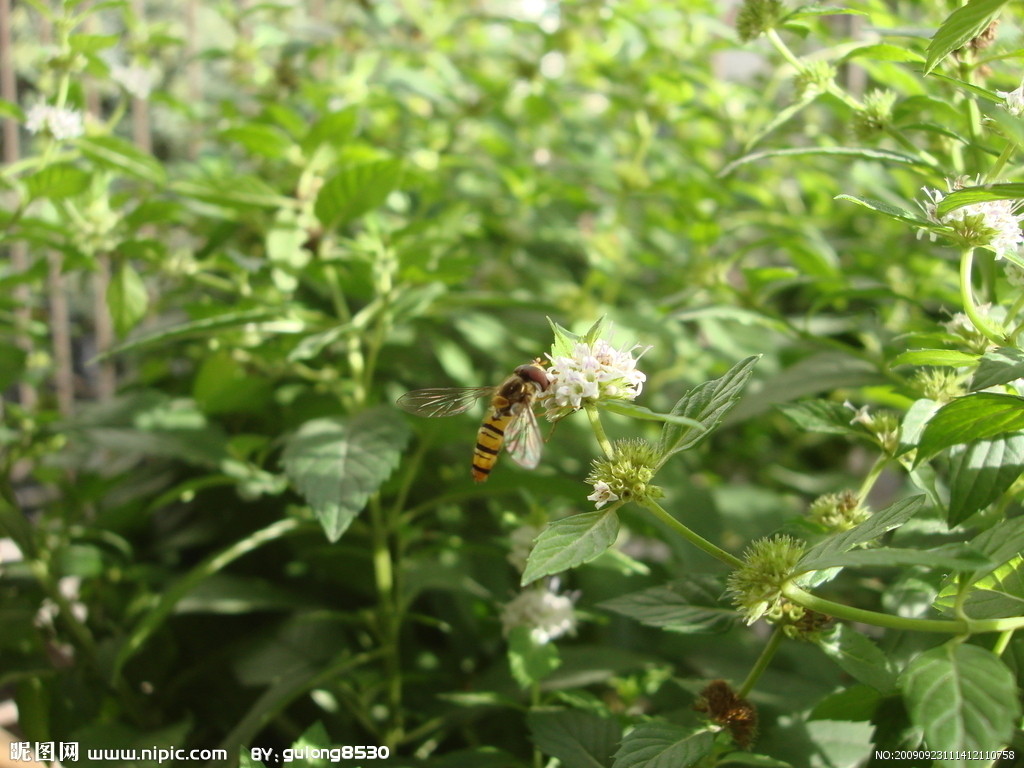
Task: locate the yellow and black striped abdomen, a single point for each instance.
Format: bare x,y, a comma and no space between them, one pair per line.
489,439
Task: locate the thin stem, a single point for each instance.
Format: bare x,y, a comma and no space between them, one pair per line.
767,654
948,626
967,296
1001,642
694,538
783,49
599,433
389,622
1000,163
872,478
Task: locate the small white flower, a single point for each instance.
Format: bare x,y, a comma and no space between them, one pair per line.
136,80
998,216
603,494
1013,101
547,614
593,372
861,415
58,122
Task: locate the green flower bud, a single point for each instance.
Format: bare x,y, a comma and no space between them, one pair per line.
756,586
627,476
758,16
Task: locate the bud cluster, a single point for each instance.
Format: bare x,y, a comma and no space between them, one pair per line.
627,476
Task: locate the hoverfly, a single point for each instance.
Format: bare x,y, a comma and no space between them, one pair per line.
509,420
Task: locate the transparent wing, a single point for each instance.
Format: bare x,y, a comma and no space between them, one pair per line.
523,440
442,401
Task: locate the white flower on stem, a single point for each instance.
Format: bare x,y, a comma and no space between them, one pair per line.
603,494
60,123
593,372
994,224
1013,101
547,614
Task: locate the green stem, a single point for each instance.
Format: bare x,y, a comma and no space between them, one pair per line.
967,296
783,49
762,663
948,626
1001,642
872,478
389,619
694,538
599,433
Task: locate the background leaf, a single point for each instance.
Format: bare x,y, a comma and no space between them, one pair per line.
578,739
962,25
663,745
337,463
962,697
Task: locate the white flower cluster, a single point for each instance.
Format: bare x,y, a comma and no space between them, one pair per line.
547,614
595,371
1000,216
60,123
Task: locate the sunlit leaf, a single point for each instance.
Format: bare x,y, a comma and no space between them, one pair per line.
962,697
959,28
663,745
569,542
337,463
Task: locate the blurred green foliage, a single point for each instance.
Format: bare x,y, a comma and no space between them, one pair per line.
332,204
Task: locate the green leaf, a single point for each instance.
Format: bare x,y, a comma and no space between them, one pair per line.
663,745
233,192
864,153
708,404
946,357
14,523
963,698
979,416
264,140
892,211
998,594
822,372
127,298
57,182
120,155
355,190
880,522
1000,543
914,422
859,657
998,366
824,416
688,606
959,28
529,660
564,544
952,557
337,463
223,385
884,52
198,328
980,473
92,43
11,111
626,408
975,195
578,739
334,128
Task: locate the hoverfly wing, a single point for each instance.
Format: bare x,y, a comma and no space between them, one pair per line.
442,401
523,440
